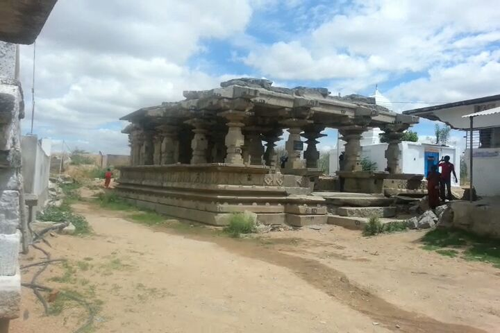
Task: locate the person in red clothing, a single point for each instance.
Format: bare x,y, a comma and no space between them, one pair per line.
107,178
433,183
447,169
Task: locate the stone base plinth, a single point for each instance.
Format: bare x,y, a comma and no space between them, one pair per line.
10,296
210,194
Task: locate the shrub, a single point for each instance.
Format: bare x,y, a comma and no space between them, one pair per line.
373,227
240,224
368,165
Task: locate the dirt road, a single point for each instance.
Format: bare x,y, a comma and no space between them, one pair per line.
331,280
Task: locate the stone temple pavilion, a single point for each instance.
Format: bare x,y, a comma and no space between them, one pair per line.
203,158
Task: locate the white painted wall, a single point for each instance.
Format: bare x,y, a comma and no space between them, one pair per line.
36,167
485,170
412,157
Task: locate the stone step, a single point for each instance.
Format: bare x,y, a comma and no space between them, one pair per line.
367,211
356,223
303,220
346,199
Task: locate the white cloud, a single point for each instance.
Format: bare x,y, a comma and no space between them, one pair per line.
100,60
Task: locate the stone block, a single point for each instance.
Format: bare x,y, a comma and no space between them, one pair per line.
9,254
8,52
303,220
9,211
271,219
10,296
367,211
305,209
353,223
9,179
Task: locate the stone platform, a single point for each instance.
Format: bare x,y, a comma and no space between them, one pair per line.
211,193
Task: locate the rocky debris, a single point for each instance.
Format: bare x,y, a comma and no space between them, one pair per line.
69,230
445,218
440,210
425,221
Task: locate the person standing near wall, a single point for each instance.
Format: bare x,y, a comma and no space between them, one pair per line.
107,178
447,169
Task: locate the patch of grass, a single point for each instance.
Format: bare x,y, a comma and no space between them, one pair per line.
148,218
84,266
112,201
240,224
448,253
68,274
471,247
71,192
373,227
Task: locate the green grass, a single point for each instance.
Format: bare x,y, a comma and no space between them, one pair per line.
148,218
240,224
71,193
454,243
375,227
110,200
68,276
64,214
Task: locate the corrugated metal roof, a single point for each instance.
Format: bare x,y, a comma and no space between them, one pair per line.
483,113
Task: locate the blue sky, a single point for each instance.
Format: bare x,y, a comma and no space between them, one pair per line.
97,61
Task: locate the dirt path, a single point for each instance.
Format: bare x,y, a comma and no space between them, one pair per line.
163,281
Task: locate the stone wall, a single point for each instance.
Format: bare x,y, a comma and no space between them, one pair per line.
11,110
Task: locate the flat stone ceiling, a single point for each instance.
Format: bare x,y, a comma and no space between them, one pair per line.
22,20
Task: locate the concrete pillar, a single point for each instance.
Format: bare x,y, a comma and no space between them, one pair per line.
393,152
294,144
312,154
352,137
255,148
270,156
199,144
234,138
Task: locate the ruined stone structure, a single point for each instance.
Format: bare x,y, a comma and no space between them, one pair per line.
20,22
203,158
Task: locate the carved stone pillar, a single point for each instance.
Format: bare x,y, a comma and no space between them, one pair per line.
138,148
148,148
270,156
394,134
255,148
199,144
294,144
169,144
234,138
352,137
312,154
157,146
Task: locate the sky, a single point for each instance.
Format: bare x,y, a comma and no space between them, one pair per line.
97,61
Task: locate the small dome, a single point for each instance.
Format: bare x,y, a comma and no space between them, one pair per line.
382,100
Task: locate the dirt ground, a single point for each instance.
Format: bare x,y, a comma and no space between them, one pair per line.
191,279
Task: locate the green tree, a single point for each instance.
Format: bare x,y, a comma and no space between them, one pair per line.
368,165
324,162
407,136
442,134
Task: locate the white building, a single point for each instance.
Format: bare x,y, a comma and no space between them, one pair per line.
485,136
416,157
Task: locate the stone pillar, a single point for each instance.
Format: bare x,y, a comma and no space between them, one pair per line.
219,148
270,156
255,148
157,148
294,144
139,148
147,152
234,138
168,145
199,144
393,152
312,154
352,137
12,193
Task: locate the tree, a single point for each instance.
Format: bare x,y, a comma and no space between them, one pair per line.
407,136
324,162
442,134
368,165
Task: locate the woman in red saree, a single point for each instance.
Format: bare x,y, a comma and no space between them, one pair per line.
433,181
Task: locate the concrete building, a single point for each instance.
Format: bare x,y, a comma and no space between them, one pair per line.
36,168
483,138
20,22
